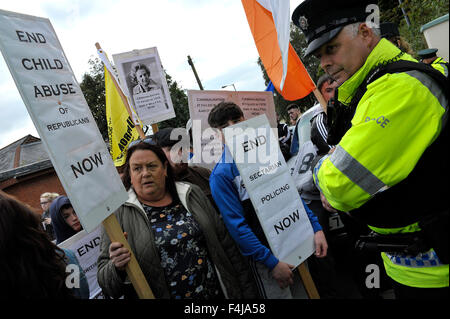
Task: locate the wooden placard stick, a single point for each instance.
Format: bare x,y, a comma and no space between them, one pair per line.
134,272
124,100
308,283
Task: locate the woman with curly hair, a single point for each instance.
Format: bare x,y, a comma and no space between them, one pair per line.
31,266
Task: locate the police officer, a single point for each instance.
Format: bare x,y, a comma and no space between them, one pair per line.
428,56
388,166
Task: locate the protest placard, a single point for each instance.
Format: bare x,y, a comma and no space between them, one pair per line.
144,81
207,144
272,191
61,116
86,247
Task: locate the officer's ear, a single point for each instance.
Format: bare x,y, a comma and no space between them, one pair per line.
364,30
368,35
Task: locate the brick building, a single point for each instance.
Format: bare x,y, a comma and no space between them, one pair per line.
26,171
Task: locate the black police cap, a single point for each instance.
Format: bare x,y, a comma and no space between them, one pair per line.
322,20
427,53
389,30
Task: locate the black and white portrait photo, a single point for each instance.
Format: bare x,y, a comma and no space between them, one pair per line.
144,79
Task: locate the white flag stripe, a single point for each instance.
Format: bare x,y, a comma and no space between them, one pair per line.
281,17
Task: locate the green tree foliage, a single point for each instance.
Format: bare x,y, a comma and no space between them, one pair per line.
93,88
180,105
419,12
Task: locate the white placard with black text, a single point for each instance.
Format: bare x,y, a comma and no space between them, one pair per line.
86,248
271,188
61,116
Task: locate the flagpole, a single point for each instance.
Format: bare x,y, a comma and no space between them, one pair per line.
318,95
124,99
321,99
114,230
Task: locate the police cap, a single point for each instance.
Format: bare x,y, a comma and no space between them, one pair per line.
427,53
389,30
322,20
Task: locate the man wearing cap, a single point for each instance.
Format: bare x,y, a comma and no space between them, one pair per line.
393,155
166,139
428,56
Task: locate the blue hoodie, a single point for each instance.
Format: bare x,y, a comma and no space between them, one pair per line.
60,227
238,213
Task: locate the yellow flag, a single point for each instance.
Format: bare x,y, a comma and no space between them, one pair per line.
121,129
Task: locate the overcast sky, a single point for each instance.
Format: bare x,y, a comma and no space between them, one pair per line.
215,33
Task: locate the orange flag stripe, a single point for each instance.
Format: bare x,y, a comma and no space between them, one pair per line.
298,83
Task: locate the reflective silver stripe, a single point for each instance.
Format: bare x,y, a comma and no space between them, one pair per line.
434,88
356,172
445,70
441,62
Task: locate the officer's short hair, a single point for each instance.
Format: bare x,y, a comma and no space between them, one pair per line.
354,28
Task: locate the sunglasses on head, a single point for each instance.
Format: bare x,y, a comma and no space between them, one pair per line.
147,140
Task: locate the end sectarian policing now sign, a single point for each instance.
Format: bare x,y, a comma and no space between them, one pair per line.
271,189
61,115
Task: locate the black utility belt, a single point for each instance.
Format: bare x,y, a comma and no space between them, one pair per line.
409,244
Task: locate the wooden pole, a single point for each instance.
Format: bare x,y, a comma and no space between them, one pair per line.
321,99
125,100
308,283
133,269
115,232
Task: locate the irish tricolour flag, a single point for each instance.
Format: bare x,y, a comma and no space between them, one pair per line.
269,23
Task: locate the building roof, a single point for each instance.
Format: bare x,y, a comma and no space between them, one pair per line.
24,156
434,22
25,170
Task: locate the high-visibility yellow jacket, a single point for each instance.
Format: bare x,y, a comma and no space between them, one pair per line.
440,65
397,119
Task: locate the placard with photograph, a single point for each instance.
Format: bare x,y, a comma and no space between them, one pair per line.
142,77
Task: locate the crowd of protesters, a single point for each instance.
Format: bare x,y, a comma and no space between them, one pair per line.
195,232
